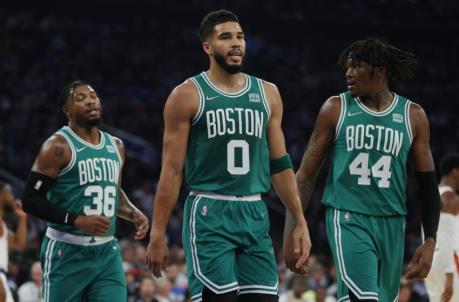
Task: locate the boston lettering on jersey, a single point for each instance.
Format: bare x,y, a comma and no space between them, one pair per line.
98,169
368,172
225,121
227,149
374,137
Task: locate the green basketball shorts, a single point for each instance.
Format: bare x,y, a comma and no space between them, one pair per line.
227,245
88,269
368,253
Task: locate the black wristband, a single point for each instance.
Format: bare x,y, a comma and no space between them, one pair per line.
35,202
430,202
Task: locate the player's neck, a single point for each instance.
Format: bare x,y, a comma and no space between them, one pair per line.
228,82
379,101
448,181
91,135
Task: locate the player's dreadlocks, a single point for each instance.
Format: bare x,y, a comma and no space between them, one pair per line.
399,64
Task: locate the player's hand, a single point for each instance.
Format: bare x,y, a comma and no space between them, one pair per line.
17,207
297,246
141,224
157,255
421,262
448,292
93,224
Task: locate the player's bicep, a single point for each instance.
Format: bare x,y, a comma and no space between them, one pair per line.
420,153
322,137
177,123
54,155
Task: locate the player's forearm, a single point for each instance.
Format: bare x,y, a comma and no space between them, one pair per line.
166,197
20,238
305,189
285,187
126,209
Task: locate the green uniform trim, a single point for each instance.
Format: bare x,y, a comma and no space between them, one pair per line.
277,165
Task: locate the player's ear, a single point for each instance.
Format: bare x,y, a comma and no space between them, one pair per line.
207,48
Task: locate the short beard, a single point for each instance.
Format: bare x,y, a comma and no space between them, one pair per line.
232,69
87,123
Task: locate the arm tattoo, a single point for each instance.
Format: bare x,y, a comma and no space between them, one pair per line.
58,151
315,156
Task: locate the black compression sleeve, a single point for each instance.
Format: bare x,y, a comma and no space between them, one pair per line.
430,203
36,203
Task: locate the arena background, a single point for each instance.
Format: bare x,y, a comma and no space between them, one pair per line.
135,52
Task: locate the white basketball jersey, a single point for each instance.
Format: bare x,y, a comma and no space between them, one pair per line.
4,248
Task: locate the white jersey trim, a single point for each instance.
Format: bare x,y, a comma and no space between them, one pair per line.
202,102
72,151
248,84
99,146
342,115
263,98
376,113
408,121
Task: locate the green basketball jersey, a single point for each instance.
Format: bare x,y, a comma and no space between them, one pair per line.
369,157
89,183
228,150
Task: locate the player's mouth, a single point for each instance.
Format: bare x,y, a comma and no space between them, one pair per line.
350,85
93,112
235,56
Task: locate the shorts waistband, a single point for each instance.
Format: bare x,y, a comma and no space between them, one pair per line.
77,239
211,195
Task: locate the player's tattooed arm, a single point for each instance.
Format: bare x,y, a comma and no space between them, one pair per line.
127,210
316,152
54,155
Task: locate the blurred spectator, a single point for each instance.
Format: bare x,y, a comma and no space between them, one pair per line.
147,290
31,290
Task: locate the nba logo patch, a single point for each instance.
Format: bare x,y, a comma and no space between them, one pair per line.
204,210
59,252
110,149
347,216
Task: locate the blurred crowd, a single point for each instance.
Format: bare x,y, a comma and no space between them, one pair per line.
134,62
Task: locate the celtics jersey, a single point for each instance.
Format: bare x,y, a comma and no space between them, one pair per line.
368,170
88,185
228,150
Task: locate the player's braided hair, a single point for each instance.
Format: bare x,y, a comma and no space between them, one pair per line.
214,18
399,64
448,163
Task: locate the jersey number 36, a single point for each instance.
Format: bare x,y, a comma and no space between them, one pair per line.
103,200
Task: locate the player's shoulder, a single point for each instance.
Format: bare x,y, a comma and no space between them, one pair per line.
185,90
56,144
269,87
118,141
332,104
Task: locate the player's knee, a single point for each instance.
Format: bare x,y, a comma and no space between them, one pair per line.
354,298
210,296
258,298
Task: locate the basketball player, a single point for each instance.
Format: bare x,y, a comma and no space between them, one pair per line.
442,281
371,133
8,239
75,185
224,128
